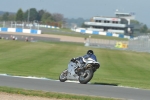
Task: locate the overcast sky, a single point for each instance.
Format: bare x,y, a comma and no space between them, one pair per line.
83,8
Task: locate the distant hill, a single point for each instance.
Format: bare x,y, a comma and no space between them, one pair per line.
2,12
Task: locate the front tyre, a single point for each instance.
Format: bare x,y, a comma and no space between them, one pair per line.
63,76
87,77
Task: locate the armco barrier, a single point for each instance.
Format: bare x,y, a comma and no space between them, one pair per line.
44,26
35,25
48,26
102,33
20,30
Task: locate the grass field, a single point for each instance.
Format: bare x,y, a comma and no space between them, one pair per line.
59,96
68,32
49,59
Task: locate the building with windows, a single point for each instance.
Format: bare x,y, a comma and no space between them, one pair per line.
119,24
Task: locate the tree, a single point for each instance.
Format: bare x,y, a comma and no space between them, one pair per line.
148,31
144,29
83,25
0,18
25,15
33,14
135,22
19,15
46,18
12,17
57,17
5,16
139,28
40,14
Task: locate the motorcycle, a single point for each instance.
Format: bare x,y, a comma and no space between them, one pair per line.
82,74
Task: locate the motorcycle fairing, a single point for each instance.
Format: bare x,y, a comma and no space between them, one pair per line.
71,75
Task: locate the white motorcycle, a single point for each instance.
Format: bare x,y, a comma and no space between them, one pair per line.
84,74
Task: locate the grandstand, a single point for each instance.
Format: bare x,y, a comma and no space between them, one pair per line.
120,24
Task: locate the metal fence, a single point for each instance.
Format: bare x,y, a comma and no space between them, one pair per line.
102,43
138,44
24,25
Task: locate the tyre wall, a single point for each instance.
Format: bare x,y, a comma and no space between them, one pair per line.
103,33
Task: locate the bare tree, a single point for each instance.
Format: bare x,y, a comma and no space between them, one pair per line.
57,17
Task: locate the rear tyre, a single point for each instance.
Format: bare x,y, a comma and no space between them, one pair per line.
87,77
63,76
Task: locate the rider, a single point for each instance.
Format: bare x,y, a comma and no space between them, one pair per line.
90,54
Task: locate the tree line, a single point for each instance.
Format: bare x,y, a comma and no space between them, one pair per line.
57,19
33,15
141,27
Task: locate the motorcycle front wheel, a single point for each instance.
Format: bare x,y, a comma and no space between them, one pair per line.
88,75
63,76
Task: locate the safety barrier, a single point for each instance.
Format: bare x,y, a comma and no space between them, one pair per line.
20,30
102,33
48,26
104,43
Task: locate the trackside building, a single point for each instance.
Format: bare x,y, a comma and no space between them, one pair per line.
118,25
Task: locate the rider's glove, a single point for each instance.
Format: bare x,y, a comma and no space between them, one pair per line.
73,59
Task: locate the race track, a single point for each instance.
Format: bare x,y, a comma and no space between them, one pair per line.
41,37
75,88
72,88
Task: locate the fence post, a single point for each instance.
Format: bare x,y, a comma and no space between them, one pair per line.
15,24
11,24
3,23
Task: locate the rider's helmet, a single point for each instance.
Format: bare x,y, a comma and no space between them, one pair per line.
90,52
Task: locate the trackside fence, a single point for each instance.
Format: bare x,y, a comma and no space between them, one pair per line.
103,43
138,44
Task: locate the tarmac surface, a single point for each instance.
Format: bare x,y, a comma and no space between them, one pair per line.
111,91
40,37
70,88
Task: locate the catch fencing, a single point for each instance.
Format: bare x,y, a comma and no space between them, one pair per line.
103,43
14,24
138,44
24,25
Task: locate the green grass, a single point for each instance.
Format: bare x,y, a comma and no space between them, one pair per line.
67,32
50,94
49,59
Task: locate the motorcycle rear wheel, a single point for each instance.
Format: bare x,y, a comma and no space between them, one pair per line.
63,76
85,79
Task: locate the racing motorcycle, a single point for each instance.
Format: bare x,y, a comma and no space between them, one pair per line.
82,74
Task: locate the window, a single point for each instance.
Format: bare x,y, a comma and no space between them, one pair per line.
115,22
105,21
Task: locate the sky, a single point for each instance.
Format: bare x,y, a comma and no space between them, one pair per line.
83,8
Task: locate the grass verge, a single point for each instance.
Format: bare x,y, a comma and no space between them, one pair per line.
50,94
49,59
67,32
